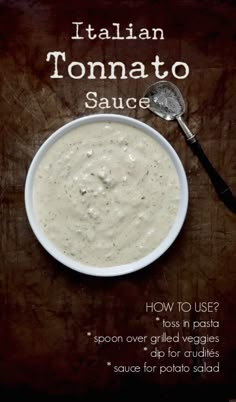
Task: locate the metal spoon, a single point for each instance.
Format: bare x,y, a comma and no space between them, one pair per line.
167,102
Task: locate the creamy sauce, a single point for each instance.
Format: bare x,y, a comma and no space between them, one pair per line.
106,194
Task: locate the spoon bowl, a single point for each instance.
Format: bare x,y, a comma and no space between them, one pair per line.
166,100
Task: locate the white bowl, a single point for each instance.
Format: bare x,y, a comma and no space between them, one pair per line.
120,269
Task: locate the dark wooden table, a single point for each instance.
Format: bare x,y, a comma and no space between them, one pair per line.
46,310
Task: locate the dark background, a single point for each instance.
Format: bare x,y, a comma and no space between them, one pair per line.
46,310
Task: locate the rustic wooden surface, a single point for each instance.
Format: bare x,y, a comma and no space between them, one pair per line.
46,310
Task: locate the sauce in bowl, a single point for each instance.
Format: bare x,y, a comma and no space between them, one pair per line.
106,193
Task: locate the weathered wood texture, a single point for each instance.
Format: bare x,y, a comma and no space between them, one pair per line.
46,309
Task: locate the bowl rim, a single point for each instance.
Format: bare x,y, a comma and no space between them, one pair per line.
116,270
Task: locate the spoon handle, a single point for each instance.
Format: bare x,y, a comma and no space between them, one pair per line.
219,184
